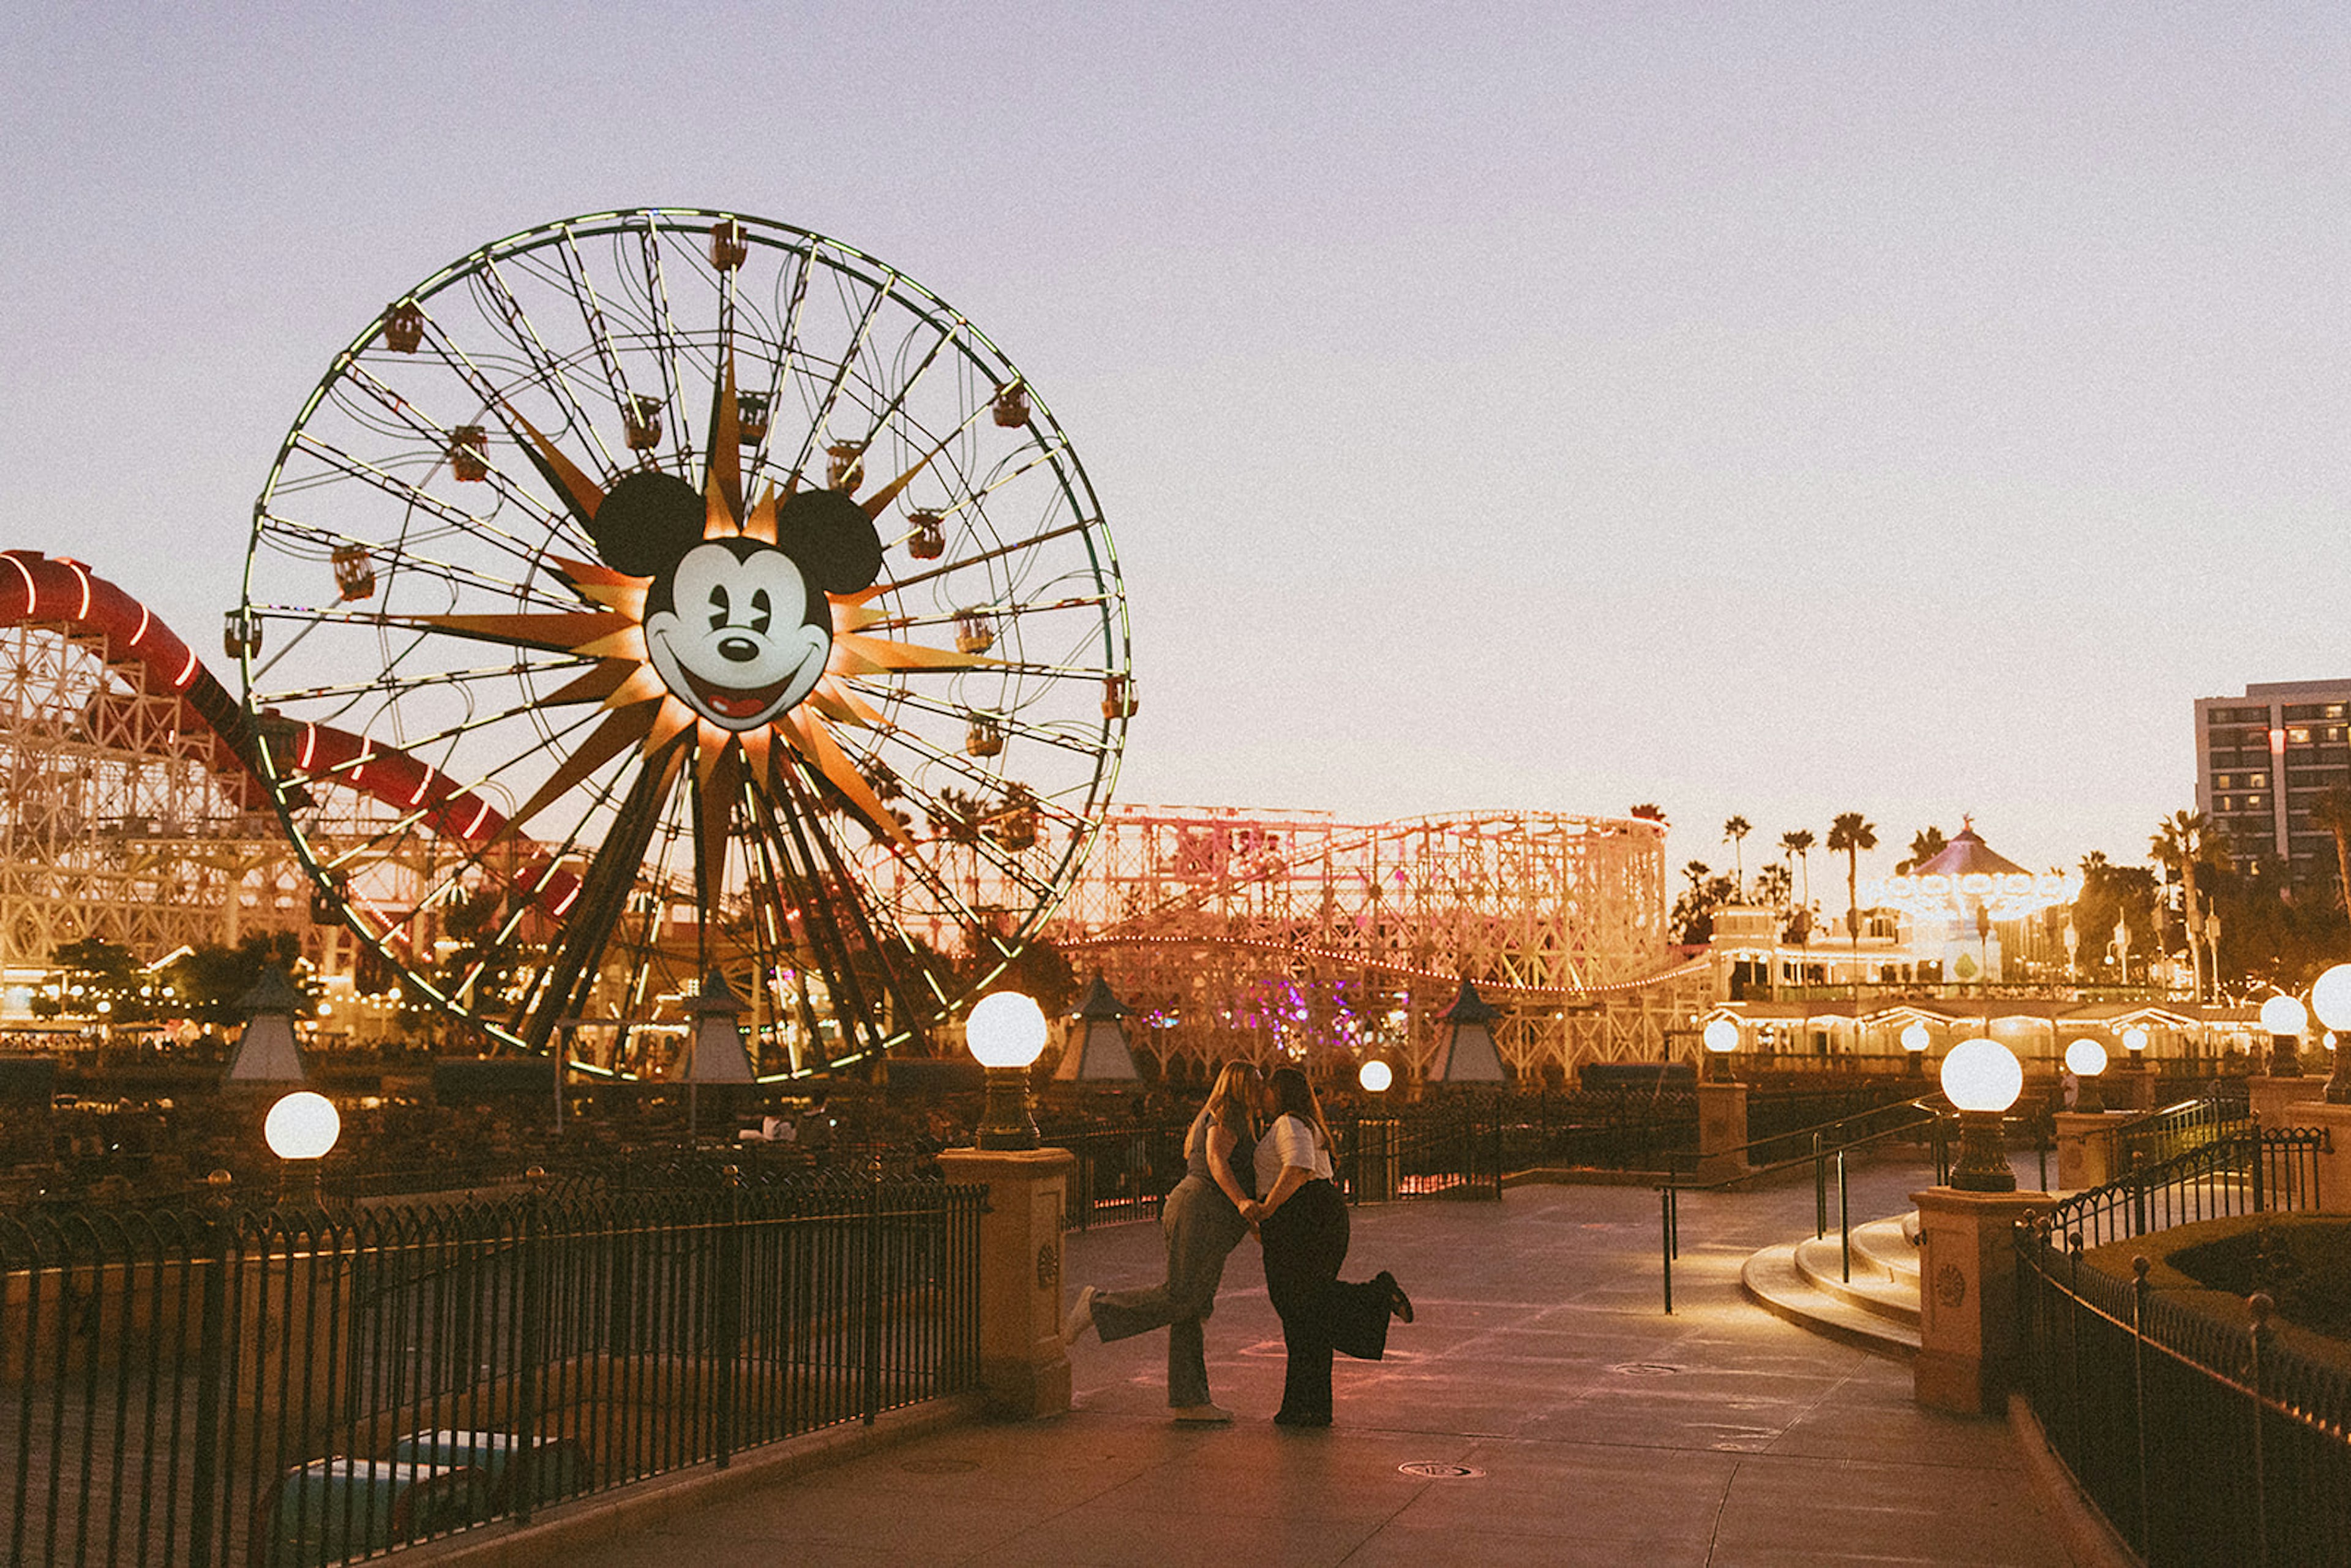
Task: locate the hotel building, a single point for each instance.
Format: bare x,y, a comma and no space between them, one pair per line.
2260,760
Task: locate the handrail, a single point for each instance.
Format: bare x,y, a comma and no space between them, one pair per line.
1669,1194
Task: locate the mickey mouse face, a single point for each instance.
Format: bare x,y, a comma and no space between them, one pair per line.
733,644
738,630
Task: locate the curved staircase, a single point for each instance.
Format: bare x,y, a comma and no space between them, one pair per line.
1878,1309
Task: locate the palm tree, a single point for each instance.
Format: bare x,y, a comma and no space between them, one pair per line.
1734,833
1798,842
2183,842
1650,811
1849,835
1925,845
2332,811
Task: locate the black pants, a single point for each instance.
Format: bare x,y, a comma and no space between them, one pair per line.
1305,1241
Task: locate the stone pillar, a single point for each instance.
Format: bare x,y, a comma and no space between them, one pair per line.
2334,1167
2087,1154
1721,1131
1967,1297
1022,1368
2130,1085
2270,1097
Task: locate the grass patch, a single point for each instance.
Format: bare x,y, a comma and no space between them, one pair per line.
2304,1262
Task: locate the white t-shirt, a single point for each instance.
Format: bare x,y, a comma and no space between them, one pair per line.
1288,1142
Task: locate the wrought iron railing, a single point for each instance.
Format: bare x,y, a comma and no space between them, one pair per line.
2173,1130
2203,1438
1455,1151
2246,1172
284,1387
1452,1150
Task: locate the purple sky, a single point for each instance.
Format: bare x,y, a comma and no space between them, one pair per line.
1779,409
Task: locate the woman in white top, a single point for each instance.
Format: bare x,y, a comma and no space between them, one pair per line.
1302,1222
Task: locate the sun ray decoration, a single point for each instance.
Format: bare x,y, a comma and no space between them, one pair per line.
845,743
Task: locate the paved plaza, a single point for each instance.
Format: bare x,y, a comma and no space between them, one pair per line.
1601,1430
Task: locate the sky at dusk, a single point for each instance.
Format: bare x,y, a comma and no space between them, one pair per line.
1779,410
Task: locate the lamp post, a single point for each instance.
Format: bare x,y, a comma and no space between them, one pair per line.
1915,1040
1005,1032
1983,1079
1721,1040
2285,1019
302,1127
2330,998
2086,1060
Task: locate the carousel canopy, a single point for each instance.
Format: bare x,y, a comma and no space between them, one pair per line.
1969,878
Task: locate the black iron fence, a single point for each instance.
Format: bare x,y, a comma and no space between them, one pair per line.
2204,1438
1455,1151
1627,1129
2173,1130
2246,1172
1450,1150
284,1387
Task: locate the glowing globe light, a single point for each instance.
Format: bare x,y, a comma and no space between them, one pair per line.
1982,1078
2330,998
302,1127
1983,1075
1914,1038
1375,1076
1006,1029
1006,1032
1723,1037
2087,1058
2284,1015
2134,1039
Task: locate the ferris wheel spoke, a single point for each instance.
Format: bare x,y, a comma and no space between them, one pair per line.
831,898
570,965
998,552
1012,610
906,383
1005,723
666,343
552,373
345,690
396,559
456,520
442,441
591,316
821,417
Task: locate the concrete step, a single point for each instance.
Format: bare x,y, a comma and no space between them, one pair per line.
1877,1309
1884,1270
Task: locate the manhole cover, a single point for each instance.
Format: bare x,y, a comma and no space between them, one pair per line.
938,1466
1431,1470
1645,1369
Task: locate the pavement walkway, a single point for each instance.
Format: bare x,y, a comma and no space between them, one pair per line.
1594,1429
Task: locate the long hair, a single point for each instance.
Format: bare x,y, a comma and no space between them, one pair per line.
1295,1097
1232,1104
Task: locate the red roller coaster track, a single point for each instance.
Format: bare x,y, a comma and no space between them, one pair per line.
60,594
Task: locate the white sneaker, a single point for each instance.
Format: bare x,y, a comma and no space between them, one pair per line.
1200,1414
1081,1318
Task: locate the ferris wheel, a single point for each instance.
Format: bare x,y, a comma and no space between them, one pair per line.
667,591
